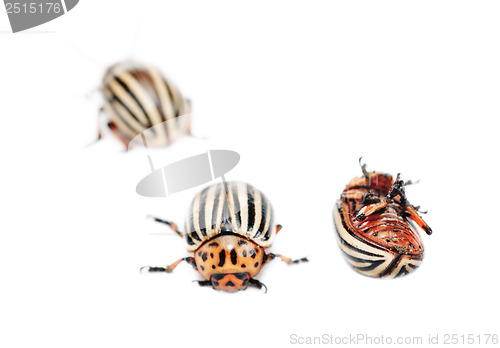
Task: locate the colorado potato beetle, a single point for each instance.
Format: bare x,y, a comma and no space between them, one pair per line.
228,227
373,223
138,97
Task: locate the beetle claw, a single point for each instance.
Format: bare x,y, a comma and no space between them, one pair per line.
258,284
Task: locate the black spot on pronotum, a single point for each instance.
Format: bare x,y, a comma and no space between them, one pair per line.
243,266
234,257
212,255
230,283
202,268
253,253
222,258
244,253
199,253
204,257
213,266
213,244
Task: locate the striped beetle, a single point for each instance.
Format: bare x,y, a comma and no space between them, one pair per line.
372,219
228,226
138,97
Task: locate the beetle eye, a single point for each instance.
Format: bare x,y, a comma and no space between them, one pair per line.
215,283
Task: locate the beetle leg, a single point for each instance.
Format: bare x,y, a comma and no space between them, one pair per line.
409,182
99,125
203,282
363,169
257,284
367,210
353,194
398,189
271,256
417,209
171,267
99,128
112,126
369,198
170,224
413,215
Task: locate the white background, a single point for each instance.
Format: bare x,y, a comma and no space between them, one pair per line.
300,90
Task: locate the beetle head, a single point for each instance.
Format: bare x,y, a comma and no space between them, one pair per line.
230,282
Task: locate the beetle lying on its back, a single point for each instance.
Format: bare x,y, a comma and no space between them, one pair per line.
372,219
228,226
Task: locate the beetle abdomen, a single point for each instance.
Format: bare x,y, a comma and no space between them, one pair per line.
236,207
372,223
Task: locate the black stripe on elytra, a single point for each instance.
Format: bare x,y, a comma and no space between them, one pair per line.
234,257
216,205
195,235
373,265
356,249
251,207
115,111
160,102
189,240
131,94
264,209
236,204
201,217
129,113
190,225
403,271
222,258
169,91
226,214
356,259
269,231
412,266
393,264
